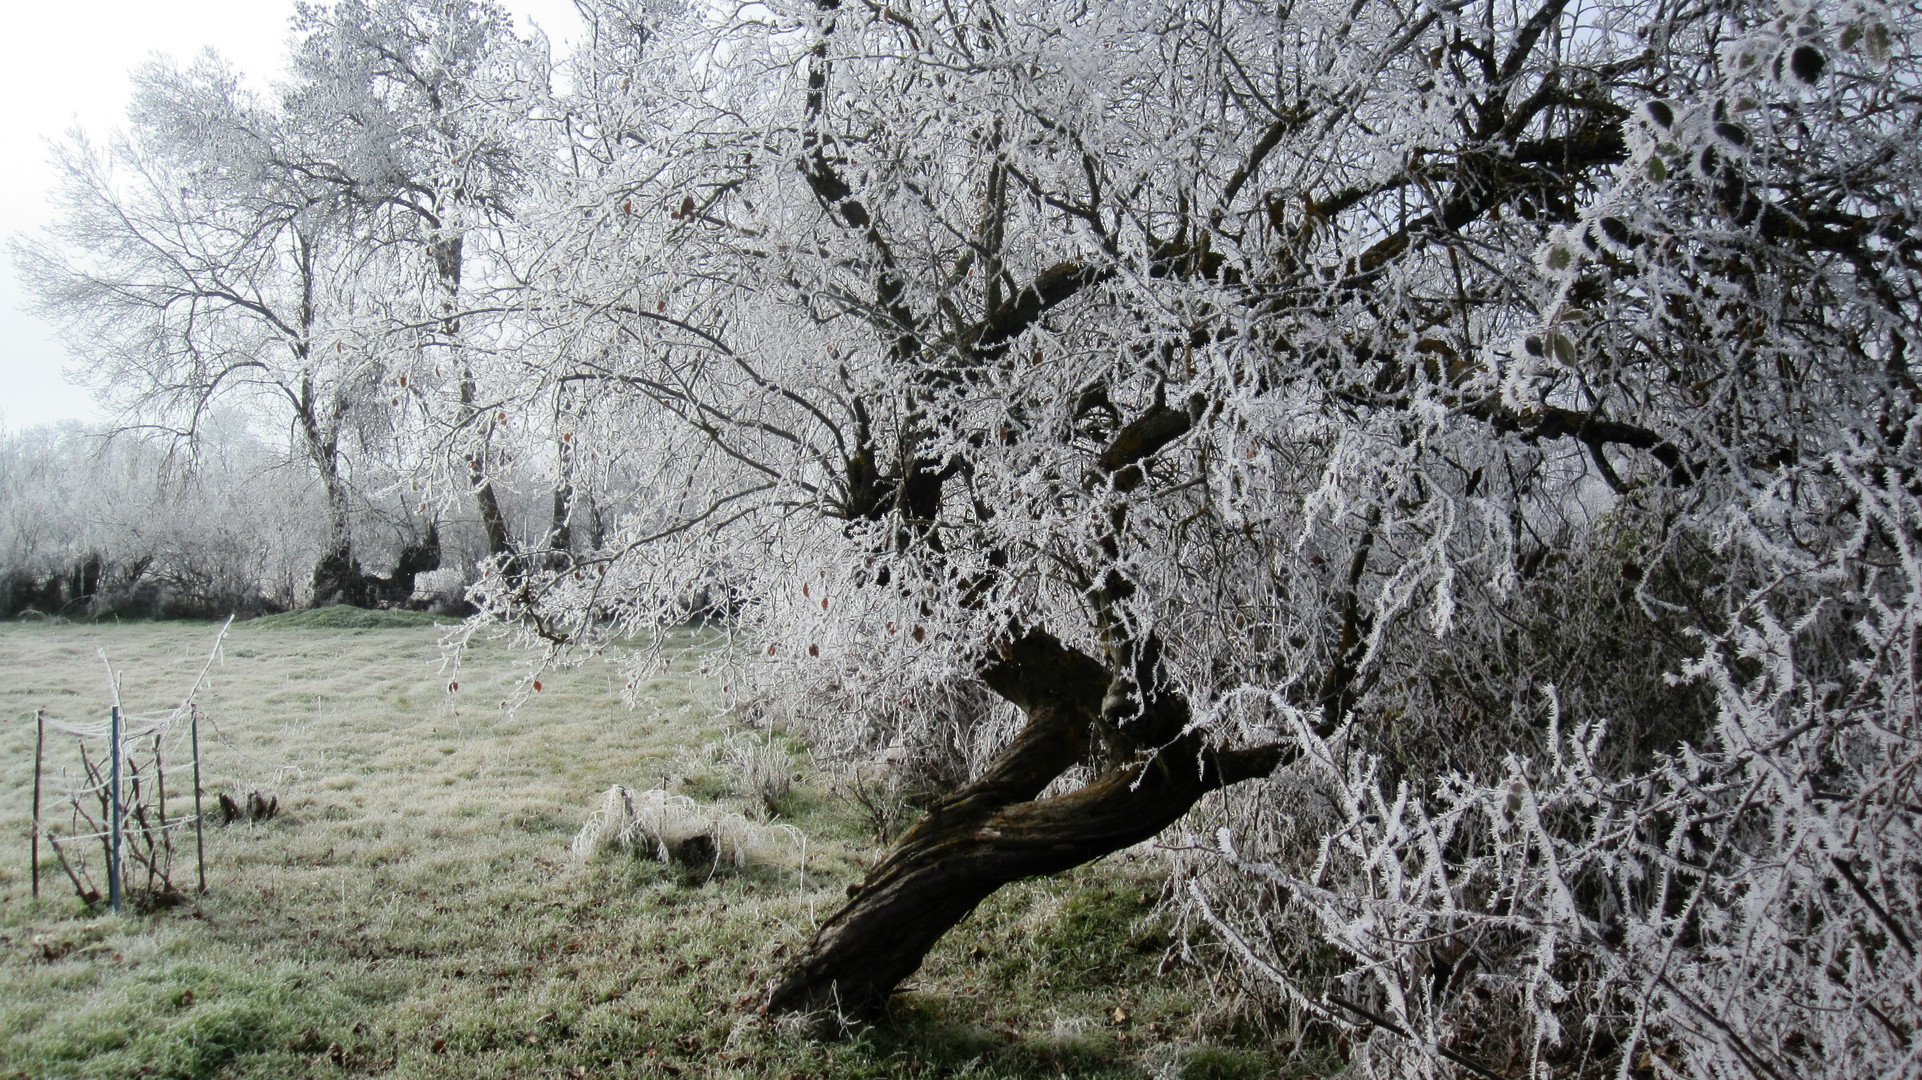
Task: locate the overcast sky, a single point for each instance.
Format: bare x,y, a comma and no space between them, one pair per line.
67,63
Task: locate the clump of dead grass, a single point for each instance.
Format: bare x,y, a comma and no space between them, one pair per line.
677,829
766,771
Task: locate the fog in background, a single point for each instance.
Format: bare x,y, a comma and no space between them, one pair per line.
67,65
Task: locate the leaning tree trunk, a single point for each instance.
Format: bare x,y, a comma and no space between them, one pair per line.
995,830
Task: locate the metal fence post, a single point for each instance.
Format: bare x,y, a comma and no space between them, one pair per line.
200,846
39,740
113,816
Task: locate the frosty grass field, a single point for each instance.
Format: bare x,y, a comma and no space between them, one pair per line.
414,909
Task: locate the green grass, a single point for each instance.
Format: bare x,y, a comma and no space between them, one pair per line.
414,911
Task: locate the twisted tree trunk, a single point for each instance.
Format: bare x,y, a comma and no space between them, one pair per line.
995,831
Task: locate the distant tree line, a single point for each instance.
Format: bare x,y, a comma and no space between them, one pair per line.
93,524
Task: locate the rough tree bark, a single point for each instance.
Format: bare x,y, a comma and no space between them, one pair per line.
446,248
337,578
995,830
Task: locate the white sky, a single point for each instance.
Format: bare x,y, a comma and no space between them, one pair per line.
67,63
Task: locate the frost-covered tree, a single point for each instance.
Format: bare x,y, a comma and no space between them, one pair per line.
1459,459
421,112
1308,399
311,255
198,261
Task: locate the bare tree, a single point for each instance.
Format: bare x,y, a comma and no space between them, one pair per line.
1194,377
310,256
421,112
1481,435
196,262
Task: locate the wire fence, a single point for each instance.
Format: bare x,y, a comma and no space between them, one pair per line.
113,794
